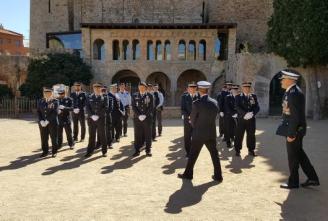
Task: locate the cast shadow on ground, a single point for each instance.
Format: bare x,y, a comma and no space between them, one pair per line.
23,162
128,160
176,156
188,195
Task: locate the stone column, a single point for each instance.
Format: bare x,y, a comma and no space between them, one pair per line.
86,45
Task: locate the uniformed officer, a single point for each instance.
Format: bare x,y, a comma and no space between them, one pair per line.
220,99
143,108
293,127
48,122
79,100
187,99
125,98
64,109
247,107
230,115
150,90
96,107
202,118
117,113
159,104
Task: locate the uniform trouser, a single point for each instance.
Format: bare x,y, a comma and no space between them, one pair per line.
229,128
221,125
125,119
97,127
142,133
187,131
159,121
194,153
76,119
68,131
109,137
116,126
249,127
153,127
297,157
50,130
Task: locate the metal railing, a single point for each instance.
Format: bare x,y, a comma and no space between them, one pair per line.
16,107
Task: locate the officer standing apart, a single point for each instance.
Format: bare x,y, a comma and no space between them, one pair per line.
293,127
202,118
125,98
247,107
187,99
48,122
143,107
150,90
220,99
96,107
159,103
79,100
117,113
64,109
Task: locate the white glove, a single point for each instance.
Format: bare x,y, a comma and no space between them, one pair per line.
234,116
142,117
61,107
248,115
94,117
59,111
221,114
46,122
42,123
76,110
182,117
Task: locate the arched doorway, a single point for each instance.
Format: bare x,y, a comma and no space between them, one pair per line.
164,84
184,79
128,77
276,94
217,86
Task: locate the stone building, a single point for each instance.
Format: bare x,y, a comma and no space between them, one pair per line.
170,42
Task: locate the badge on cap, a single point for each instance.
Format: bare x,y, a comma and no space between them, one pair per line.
289,75
203,84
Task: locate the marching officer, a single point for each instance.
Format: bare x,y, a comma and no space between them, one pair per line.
230,115
293,127
79,101
117,113
220,99
247,107
187,99
96,107
125,98
48,122
64,109
202,118
159,103
143,108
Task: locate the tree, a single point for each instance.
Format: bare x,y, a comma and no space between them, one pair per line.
298,32
54,69
5,91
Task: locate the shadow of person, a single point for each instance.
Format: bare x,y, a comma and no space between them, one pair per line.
176,155
123,164
224,152
187,195
124,152
23,162
237,164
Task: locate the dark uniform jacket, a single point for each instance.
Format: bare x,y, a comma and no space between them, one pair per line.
48,110
245,104
294,112
203,116
186,103
229,105
97,105
79,100
117,108
143,105
64,116
221,98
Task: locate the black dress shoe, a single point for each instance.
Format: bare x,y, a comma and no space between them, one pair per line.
43,155
82,140
237,154
54,155
104,154
88,155
218,179
149,154
154,140
310,183
252,153
125,135
136,154
71,147
110,147
159,135
118,140
182,176
287,186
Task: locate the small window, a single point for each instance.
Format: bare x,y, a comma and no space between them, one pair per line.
158,54
126,50
150,51
192,50
116,50
99,49
202,50
136,51
167,50
182,50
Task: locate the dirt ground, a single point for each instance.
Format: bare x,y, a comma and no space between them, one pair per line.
119,187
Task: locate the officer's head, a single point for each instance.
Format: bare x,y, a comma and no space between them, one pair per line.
142,87
203,87
104,89
150,88
47,92
122,87
97,87
246,87
235,90
156,87
288,78
77,86
113,88
228,85
61,93
192,88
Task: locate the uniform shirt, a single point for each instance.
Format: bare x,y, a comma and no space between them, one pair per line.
79,100
221,99
125,98
160,99
229,105
67,102
246,103
118,107
47,110
186,103
97,105
142,104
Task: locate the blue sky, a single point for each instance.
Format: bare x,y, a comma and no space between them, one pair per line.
15,16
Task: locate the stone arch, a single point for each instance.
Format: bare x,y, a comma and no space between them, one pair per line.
129,77
276,93
217,85
191,75
164,83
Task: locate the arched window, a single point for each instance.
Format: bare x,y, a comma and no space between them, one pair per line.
192,50
217,49
182,50
150,51
136,51
167,50
158,51
202,50
116,50
99,49
126,50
